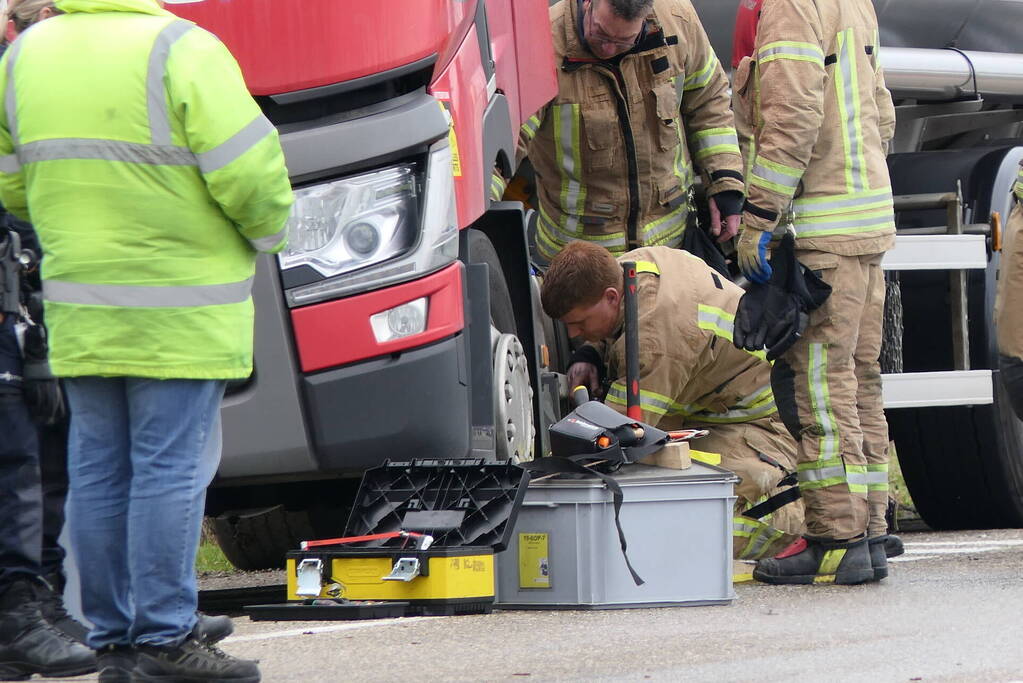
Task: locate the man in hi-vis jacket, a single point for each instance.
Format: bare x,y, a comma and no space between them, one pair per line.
642,102
821,121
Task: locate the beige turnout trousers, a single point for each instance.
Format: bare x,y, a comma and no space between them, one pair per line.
828,390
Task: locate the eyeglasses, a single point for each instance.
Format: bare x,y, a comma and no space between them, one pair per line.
597,35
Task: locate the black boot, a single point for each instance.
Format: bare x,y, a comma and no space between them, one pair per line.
51,604
893,545
31,645
211,630
115,663
192,662
822,561
878,558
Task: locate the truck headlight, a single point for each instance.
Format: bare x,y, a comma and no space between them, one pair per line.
352,223
367,231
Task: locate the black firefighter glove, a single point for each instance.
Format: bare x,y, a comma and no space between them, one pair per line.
774,315
41,389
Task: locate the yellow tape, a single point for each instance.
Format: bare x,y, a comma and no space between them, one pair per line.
705,457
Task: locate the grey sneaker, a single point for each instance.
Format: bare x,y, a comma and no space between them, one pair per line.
192,662
212,630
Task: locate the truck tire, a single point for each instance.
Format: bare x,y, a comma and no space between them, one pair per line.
259,539
514,431
963,464
892,326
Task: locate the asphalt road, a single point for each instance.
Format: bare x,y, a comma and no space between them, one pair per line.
950,610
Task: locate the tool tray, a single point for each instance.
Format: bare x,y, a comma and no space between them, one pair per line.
468,507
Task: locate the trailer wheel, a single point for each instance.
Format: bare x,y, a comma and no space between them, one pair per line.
259,539
963,464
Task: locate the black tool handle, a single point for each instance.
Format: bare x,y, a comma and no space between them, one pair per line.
632,407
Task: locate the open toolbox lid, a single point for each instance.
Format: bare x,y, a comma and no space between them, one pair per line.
457,502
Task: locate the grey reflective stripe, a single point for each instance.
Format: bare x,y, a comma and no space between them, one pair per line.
235,146
858,478
822,473
56,291
107,150
845,224
820,401
10,99
715,140
848,99
270,241
812,207
545,223
647,401
9,164
156,93
773,176
873,478
708,317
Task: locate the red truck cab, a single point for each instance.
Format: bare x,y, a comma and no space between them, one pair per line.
379,332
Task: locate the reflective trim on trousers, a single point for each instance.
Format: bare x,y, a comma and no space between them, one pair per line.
775,177
761,536
721,323
865,222
784,49
877,477
820,401
497,186
847,89
844,203
156,92
146,296
821,473
715,141
701,78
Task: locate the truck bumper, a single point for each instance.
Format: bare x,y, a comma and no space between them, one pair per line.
412,405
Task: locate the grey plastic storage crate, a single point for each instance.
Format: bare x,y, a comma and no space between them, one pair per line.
565,554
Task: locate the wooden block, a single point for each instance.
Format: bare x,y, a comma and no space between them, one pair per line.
674,456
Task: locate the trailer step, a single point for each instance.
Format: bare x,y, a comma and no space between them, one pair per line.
937,252
930,389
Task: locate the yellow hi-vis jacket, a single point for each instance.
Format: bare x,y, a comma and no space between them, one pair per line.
822,119
128,138
614,151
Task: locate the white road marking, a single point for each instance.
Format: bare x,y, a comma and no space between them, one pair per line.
348,626
932,550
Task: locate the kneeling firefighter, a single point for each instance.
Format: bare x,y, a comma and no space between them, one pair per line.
691,375
1009,306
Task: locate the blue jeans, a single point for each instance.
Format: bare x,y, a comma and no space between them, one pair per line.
141,454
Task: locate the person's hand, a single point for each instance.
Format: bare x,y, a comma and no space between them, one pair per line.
752,252
729,223
583,374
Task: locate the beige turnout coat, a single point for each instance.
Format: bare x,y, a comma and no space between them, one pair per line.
614,152
821,121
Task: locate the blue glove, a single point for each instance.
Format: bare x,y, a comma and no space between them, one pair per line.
752,249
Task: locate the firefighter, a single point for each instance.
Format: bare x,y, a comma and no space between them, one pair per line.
1009,313
822,119
639,87
153,180
691,375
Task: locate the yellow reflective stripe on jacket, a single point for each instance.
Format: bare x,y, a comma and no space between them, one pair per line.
497,186
702,77
649,401
753,407
784,49
848,91
529,128
715,141
721,323
868,221
775,177
569,160
844,203
667,230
